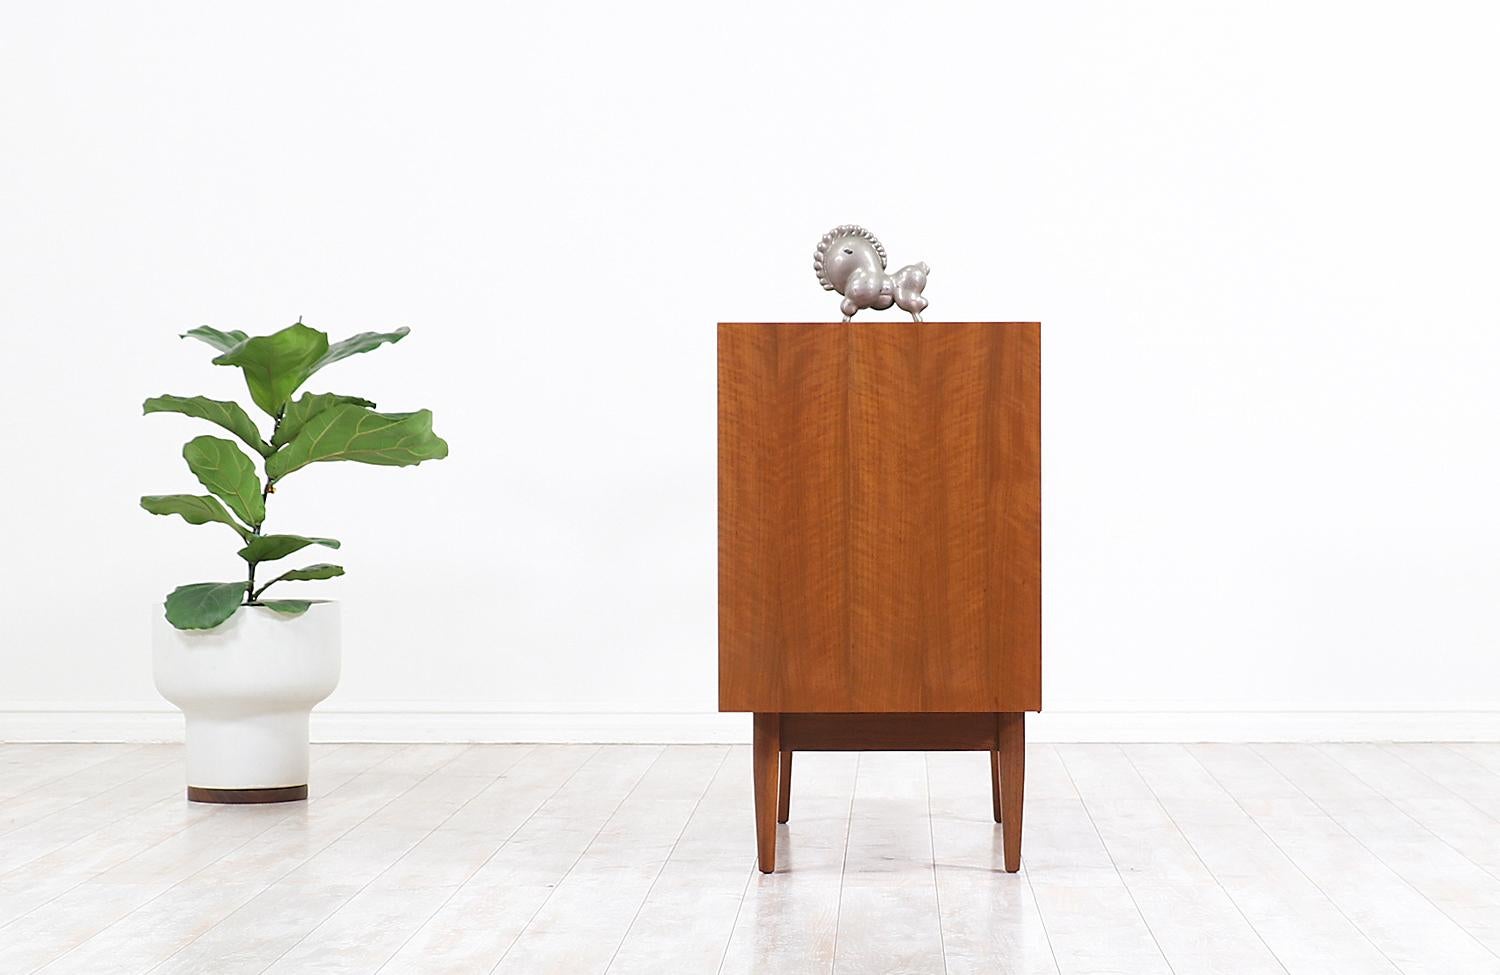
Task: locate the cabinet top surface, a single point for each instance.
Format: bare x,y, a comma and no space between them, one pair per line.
863,323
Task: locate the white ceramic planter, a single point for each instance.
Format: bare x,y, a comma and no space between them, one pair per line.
246,688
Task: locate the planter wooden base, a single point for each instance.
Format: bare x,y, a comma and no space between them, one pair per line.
286,793
778,736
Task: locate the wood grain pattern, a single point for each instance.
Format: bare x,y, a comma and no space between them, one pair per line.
764,749
1012,772
879,517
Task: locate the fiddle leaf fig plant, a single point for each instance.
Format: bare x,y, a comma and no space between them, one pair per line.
310,429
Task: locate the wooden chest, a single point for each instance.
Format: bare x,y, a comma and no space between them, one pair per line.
880,536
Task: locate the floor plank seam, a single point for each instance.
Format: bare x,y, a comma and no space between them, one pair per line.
171,887
734,926
1423,772
208,816
1451,747
1107,852
937,894
1042,920
1399,808
283,875
493,853
1376,856
1254,858
1031,887
665,860
45,783
581,854
90,877
118,785
1297,866
334,913
838,911
1239,909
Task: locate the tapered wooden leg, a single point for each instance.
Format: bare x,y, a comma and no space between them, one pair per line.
1012,768
995,783
784,789
764,752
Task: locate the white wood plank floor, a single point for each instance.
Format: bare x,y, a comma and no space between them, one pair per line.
1242,859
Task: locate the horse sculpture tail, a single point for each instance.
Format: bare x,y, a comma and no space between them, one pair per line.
910,281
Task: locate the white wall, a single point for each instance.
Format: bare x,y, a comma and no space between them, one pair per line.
1263,243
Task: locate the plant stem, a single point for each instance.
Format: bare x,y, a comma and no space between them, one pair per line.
251,593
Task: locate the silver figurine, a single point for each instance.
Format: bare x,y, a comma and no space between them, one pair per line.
851,261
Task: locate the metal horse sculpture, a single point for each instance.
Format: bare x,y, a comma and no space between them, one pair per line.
851,261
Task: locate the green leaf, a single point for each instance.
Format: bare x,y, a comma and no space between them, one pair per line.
304,408
355,344
311,573
287,607
269,548
223,341
203,605
308,573
275,365
195,510
358,434
224,469
230,416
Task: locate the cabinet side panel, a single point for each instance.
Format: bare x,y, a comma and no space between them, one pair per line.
879,517
813,549
747,505
889,482
953,549
1013,611
783,516
921,485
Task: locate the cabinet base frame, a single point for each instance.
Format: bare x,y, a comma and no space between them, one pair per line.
778,736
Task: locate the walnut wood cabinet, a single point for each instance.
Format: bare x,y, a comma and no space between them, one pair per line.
880,545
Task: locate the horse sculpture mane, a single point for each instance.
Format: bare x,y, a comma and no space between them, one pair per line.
843,230
851,261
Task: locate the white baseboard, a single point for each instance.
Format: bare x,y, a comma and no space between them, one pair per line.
425,722
1263,726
